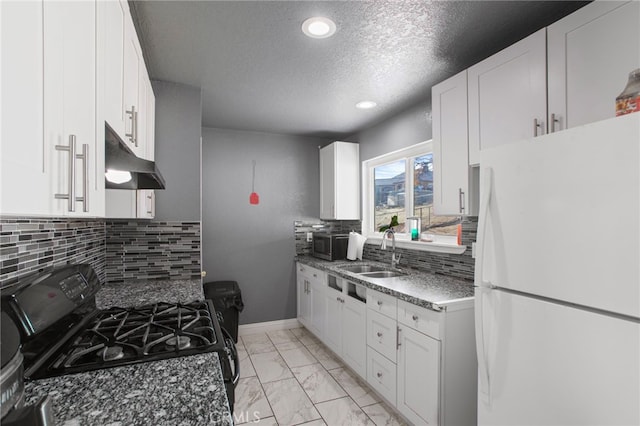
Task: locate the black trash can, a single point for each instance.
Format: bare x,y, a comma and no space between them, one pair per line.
227,300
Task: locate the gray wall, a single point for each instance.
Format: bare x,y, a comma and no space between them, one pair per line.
177,153
400,131
254,244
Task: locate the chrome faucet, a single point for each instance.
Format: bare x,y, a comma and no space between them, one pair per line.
395,260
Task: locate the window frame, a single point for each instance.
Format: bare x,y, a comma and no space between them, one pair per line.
442,244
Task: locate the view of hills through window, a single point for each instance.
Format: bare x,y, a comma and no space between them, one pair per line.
392,183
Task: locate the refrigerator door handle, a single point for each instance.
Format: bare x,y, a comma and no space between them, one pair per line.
482,287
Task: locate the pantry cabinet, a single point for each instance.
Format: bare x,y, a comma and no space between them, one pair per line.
450,146
340,181
507,95
590,55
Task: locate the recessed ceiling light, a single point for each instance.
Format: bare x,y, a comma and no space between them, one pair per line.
319,27
366,105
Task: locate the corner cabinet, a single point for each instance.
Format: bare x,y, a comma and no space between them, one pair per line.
50,50
340,181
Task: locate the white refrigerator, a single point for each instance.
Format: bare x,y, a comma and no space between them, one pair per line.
557,278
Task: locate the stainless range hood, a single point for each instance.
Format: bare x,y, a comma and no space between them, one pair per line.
144,173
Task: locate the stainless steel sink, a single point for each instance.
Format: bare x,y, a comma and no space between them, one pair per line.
359,269
383,274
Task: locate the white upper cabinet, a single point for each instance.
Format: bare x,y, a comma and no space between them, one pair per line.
508,95
340,181
113,15
590,55
25,186
70,86
133,69
450,146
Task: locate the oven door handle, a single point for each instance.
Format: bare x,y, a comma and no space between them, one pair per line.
234,353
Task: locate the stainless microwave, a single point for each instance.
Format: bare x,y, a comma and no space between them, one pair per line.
330,246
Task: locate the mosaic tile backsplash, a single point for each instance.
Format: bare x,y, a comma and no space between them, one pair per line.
33,244
454,265
143,250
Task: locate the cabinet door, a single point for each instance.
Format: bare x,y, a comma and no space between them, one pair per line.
508,95
340,181
591,53
318,308
304,307
327,182
450,146
113,15
334,330
25,187
70,104
354,335
133,62
146,203
418,376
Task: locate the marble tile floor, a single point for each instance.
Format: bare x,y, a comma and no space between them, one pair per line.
288,377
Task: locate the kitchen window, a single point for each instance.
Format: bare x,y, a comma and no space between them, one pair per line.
399,185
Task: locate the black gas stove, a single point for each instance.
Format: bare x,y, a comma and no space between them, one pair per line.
62,331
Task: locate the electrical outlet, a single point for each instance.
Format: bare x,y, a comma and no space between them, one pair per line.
309,237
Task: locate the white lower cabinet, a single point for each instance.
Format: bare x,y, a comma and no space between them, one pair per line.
418,376
304,295
311,302
381,375
346,325
354,335
421,361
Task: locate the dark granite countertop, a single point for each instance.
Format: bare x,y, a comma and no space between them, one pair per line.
144,292
187,390
432,291
177,391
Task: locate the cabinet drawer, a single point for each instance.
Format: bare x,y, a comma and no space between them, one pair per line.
382,334
381,375
421,319
382,303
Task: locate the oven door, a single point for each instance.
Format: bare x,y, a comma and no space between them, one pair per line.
230,363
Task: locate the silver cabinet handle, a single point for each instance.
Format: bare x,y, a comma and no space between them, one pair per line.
554,120
85,177
536,125
379,374
132,135
379,334
135,132
415,318
150,204
379,302
398,338
461,200
71,195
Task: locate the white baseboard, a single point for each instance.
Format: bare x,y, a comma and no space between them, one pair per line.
264,327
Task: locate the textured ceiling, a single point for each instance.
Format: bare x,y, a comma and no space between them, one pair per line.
259,72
